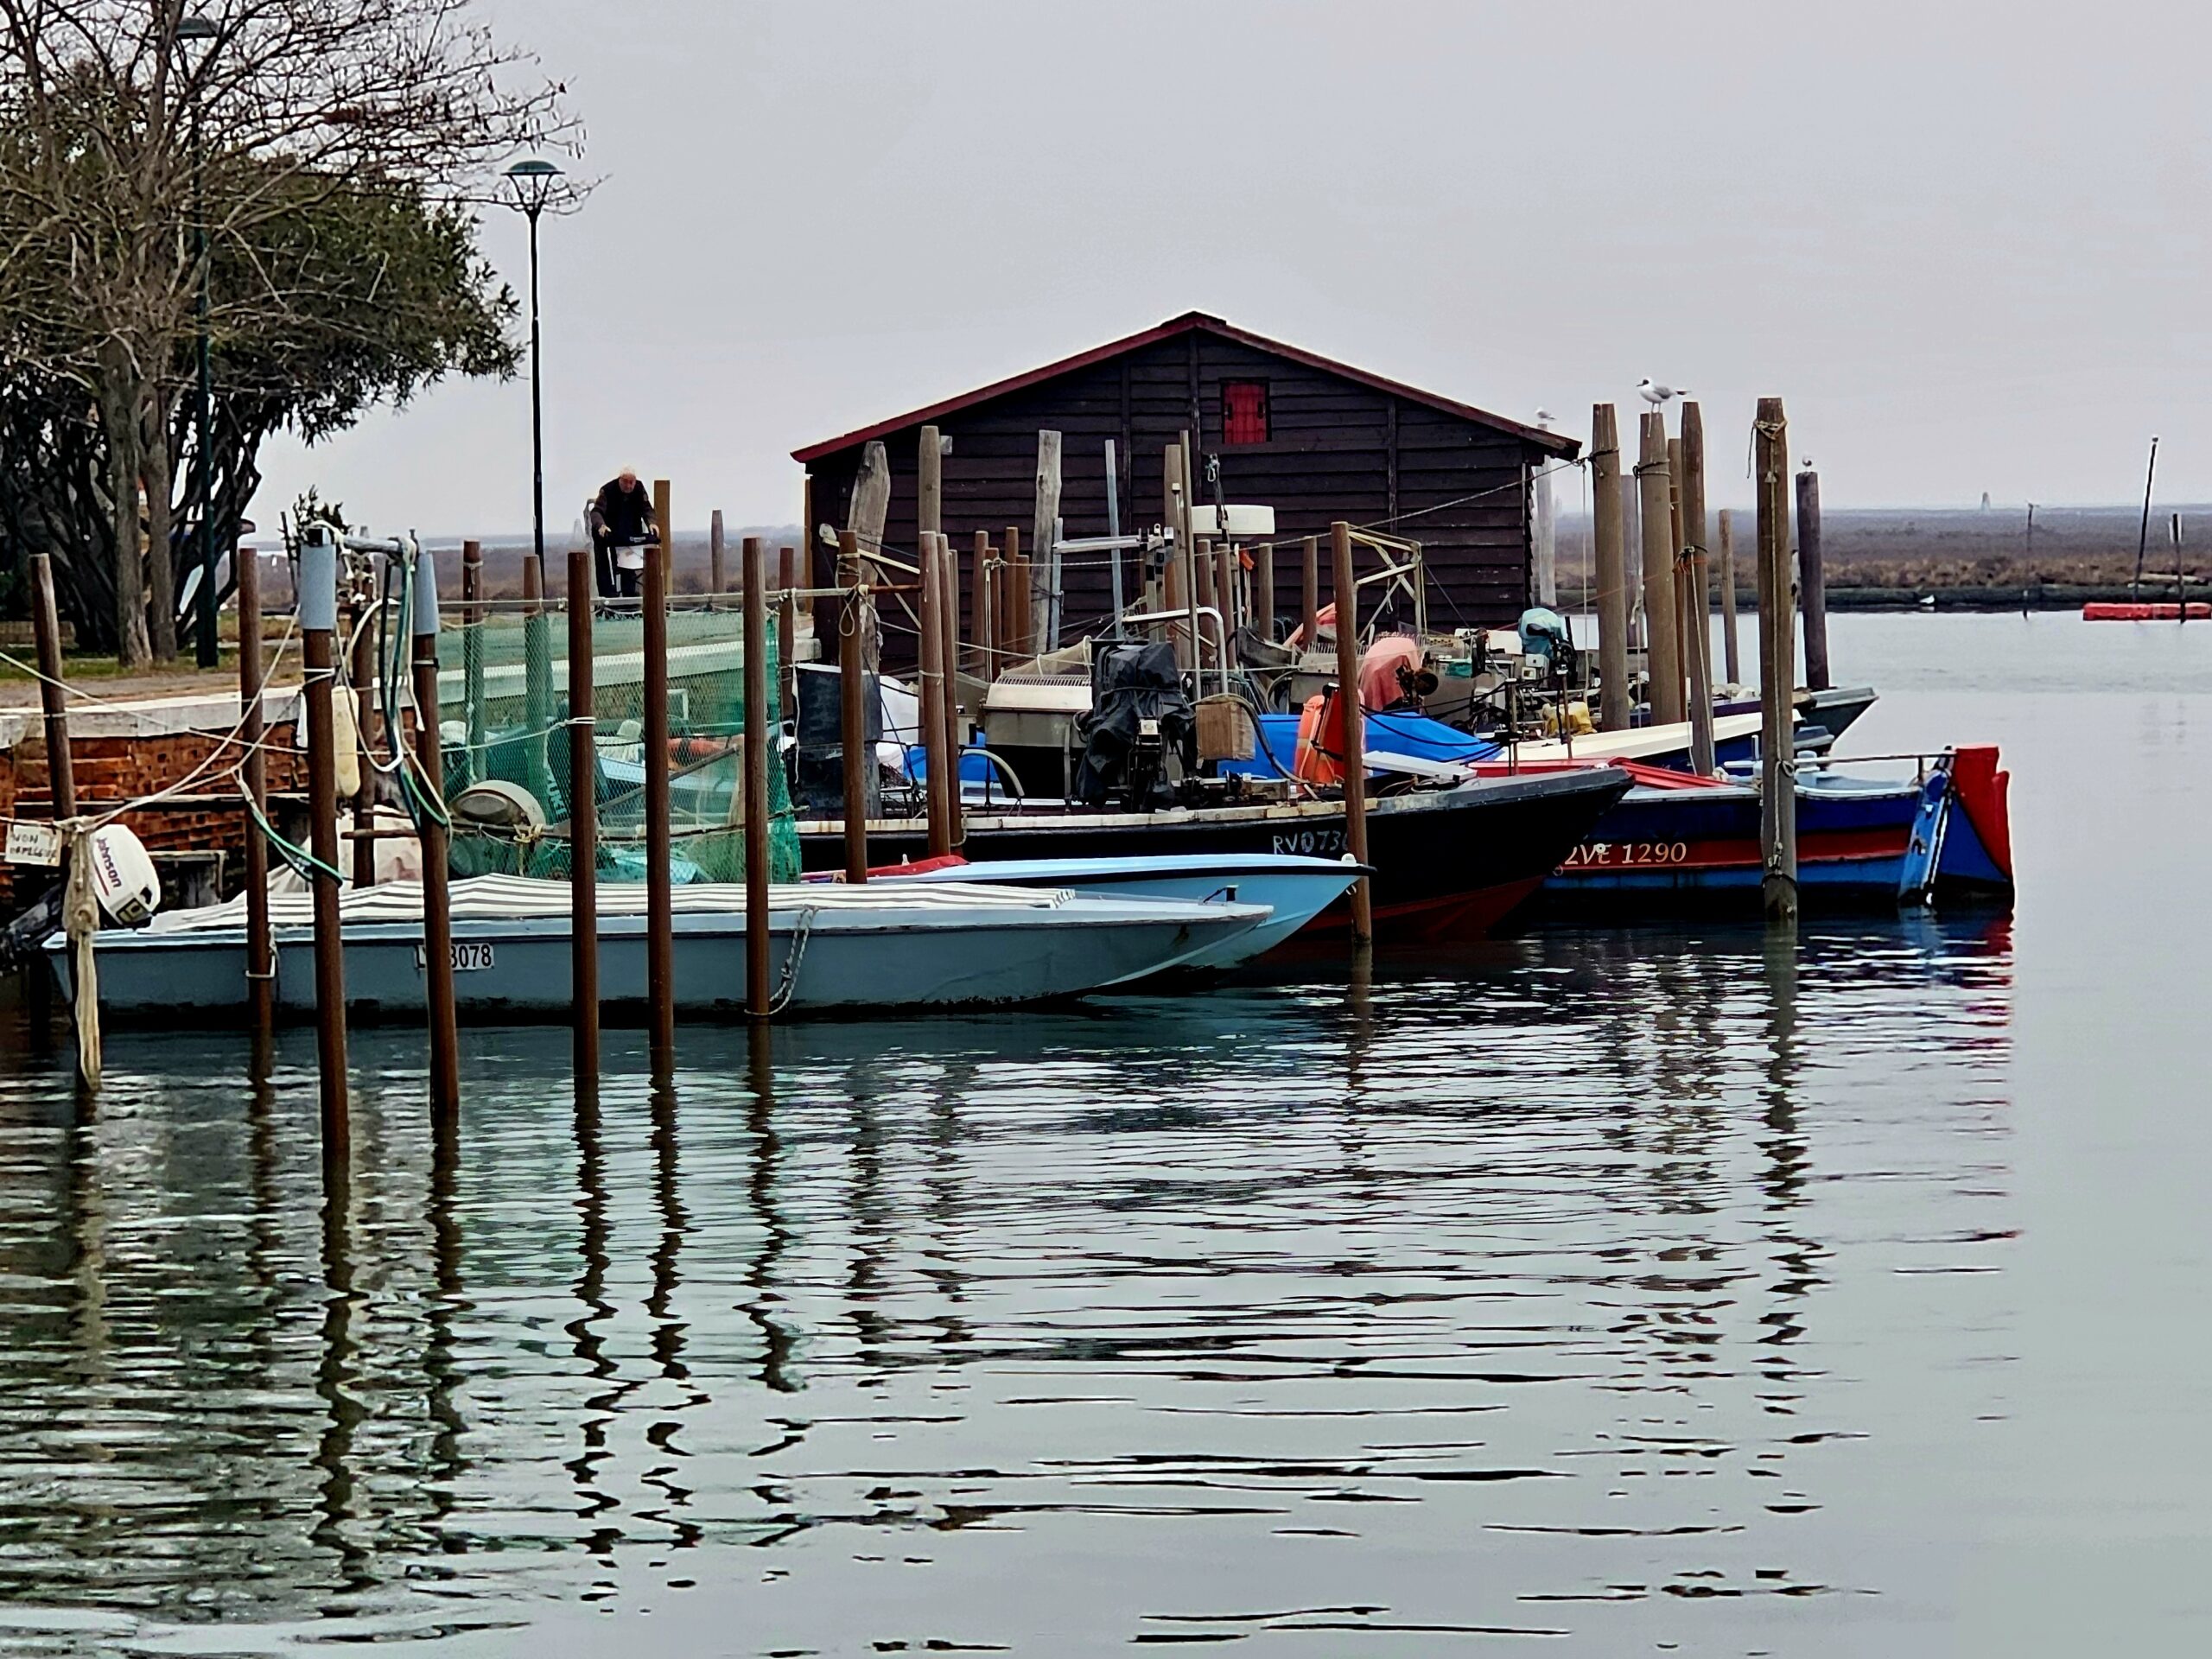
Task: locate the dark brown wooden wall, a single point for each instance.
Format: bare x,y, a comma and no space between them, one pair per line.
1336,449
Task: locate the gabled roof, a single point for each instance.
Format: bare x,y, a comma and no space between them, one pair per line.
1191,321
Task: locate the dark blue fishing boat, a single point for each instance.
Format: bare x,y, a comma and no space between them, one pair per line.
1674,840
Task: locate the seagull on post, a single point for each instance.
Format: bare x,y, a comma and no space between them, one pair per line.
1658,396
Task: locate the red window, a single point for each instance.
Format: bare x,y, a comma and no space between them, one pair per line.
1244,411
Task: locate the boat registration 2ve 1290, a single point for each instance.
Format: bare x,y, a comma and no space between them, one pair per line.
468,955
1627,854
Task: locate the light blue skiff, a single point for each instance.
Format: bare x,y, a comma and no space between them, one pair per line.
892,945
1296,889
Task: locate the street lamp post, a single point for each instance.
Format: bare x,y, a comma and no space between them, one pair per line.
533,183
203,33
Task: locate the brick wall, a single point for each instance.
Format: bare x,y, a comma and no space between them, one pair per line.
112,770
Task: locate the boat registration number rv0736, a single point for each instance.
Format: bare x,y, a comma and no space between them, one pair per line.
1317,843
469,955
1621,855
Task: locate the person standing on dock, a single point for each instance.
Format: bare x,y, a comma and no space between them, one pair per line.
621,524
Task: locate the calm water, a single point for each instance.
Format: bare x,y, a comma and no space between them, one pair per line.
1667,1290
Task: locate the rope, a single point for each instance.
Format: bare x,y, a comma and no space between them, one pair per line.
81,921
303,860
796,954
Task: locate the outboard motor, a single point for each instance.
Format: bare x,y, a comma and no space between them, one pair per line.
123,881
1546,637
818,776
1141,716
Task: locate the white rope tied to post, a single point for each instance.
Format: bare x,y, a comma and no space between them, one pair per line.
81,921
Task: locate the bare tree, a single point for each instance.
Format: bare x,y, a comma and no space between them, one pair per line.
116,118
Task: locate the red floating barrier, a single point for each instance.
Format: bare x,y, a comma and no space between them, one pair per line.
2163,610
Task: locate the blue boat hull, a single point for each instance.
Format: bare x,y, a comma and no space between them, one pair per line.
1858,845
1296,890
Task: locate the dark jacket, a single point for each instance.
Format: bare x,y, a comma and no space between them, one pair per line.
623,515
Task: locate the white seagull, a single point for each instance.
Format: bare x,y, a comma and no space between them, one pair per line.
1658,396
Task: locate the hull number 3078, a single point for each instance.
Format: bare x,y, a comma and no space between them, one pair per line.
468,955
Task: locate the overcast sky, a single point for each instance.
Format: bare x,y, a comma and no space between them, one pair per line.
1965,242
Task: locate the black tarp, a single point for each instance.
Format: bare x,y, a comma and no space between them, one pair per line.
1130,685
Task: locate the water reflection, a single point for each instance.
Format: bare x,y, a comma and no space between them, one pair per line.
1255,1300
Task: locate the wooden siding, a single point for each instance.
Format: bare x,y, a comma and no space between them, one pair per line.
1336,449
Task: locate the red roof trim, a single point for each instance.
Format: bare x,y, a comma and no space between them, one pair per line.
1557,444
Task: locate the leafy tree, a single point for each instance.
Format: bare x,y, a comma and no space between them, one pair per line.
333,146
382,293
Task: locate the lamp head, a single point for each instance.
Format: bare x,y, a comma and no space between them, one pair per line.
533,182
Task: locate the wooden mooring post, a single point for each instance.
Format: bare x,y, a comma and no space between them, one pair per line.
660,857
929,482
318,619
1309,595
933,679
1352,719
52,690
583,826
947,610
1263,592
1176,584
1021,636
362,667
1812,579
472,664
1662,665
1041,611
1731,670
260,953
1612,572
437,905
981,607
854,751
1696,595
758,995
1778,663
787,569
60,772
1224,588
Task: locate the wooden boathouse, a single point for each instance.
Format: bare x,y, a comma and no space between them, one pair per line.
1315,439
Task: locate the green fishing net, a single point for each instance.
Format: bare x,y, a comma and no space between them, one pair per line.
504,715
